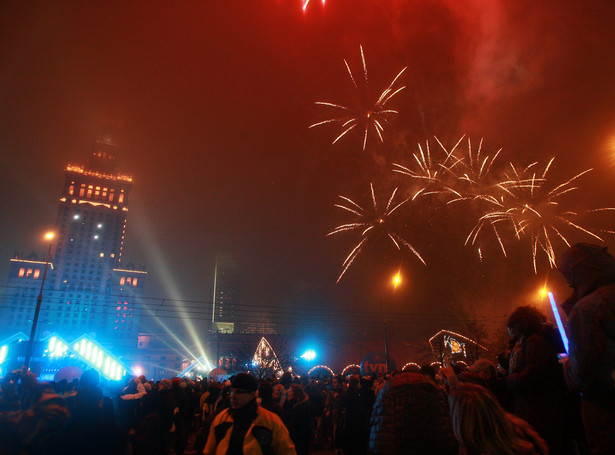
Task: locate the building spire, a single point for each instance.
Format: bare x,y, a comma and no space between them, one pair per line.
104,154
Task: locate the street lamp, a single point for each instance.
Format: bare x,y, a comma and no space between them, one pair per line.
396,280
39,301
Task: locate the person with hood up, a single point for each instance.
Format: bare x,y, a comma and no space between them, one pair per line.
590,367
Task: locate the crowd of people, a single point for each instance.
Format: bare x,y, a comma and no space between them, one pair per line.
532,399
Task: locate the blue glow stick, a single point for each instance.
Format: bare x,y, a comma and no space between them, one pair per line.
558,320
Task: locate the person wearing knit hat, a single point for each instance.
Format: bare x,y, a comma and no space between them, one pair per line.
244,381
590,367
247,428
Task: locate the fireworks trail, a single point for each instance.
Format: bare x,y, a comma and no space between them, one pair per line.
366,115
490,219
307,2
371,222
604,209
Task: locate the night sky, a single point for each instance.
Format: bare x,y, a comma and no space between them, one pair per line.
210,103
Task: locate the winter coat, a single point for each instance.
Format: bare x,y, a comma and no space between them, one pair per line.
591,327
267,429
411,416
299,422
91,429
29,431
356,411
591,365
590,270
537,385
590,368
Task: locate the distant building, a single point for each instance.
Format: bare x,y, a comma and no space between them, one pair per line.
225,307
259,325
88,289
22,289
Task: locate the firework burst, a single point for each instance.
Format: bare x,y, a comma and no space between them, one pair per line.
366,115
464,177
533,211
510,203
371,221
473,173
433,174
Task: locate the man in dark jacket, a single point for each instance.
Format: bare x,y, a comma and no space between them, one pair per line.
357,405
590,368
92,428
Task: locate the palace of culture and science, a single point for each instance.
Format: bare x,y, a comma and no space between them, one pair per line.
88,287
92,303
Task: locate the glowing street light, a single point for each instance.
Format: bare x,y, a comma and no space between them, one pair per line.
396,280
49,236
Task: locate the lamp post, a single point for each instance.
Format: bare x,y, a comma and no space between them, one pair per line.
396,281
39,301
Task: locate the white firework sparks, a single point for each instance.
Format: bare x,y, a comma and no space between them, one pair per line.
366,115
371,221
534,212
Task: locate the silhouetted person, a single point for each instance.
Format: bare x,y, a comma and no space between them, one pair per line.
91,428
298,419
590,368
265,393
535,378
411,416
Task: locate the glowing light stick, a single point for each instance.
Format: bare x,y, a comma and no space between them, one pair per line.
558,320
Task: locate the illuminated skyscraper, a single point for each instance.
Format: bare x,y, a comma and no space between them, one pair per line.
224,315
91,223
89,289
